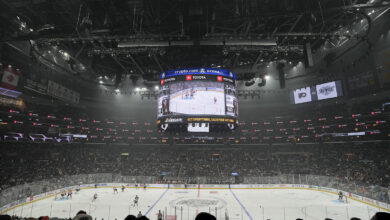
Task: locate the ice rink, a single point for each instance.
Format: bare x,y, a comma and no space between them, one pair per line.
186,203
210,102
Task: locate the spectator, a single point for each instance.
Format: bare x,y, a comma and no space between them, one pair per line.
205,216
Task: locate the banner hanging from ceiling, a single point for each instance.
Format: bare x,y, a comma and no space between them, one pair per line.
10,78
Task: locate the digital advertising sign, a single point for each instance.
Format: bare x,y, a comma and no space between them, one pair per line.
316,93
198,97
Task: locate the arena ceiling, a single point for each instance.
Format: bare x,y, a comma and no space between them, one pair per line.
141,38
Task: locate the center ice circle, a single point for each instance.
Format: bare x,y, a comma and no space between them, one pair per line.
198,202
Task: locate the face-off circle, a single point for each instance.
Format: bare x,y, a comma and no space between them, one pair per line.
199,202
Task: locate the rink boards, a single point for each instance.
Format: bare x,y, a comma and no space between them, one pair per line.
235,201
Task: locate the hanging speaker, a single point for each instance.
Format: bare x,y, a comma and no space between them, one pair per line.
308,55
282,80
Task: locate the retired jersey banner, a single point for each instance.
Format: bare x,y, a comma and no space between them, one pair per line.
10,78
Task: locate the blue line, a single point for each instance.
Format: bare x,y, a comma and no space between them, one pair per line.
242,206
155,203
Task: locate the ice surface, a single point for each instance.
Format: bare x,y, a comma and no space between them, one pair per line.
250,204
202,103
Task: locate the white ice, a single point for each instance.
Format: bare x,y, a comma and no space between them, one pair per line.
209,102
259,204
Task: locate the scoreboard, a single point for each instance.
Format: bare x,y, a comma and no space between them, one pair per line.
197,98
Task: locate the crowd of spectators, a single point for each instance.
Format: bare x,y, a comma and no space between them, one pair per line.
364,164
336,123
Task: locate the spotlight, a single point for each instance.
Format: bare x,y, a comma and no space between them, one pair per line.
137,89
267,77
100,81
117,90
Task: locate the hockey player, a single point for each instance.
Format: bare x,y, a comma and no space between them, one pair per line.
69,194
139,214
136,185
136,200
123,188
78,189
115,190
63,193
94,197
144,186
341,196
215,100
159,215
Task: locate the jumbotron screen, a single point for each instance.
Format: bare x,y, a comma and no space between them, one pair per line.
197,95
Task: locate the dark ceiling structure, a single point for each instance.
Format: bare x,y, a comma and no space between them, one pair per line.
141,38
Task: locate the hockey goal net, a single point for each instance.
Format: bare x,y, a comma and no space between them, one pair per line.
57,195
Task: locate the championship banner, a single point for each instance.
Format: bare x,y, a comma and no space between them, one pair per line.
10,78
56,90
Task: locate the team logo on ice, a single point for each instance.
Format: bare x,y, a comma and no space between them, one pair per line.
198,202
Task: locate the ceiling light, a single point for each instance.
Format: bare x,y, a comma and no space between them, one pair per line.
100,81
117,90
267,77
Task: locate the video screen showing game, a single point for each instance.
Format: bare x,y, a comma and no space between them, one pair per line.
205,93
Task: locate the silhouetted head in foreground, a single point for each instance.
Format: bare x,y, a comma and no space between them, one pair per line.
5,217
381,216
82,215
130,217
143,218
205,216
43,218
81,212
